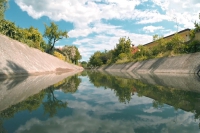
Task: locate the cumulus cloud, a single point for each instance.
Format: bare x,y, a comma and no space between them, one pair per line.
87,16
185,12
152,28
107,37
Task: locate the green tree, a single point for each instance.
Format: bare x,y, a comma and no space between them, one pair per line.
95,59
77,56
30,36
53,34
72,53
84,64
197,27
195,30
124,46
3,7
155,37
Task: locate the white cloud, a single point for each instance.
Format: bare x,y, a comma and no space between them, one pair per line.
152,28
185,12
107,37
87,16
103,42
82,13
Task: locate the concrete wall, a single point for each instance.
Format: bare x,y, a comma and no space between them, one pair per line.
187,64
17,58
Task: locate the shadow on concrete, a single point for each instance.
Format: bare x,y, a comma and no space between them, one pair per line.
16,74
198,70
157,63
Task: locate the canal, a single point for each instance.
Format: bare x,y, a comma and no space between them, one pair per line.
101,102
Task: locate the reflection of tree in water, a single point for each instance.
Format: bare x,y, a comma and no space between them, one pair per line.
120,86
2,129
30,104
84,73
52,104
185,100
71,85
68,85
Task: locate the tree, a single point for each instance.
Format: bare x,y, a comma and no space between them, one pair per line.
95,59
84,64
53,34
155,37
3,7
195,30
72,53
30,36
197,27
77,56
124,46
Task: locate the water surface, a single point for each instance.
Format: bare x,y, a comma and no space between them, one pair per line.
95,102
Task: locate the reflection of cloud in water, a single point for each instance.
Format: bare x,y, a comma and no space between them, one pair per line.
103,106
81,122
104,99
76,124
103,102
102,96
152,110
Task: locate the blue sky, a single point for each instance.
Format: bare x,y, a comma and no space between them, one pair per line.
96,25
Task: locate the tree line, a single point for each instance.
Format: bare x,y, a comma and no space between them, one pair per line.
123,51
33,38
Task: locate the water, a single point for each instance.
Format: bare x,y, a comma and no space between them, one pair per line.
94,102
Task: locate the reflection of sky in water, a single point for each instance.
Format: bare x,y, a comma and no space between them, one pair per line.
92,110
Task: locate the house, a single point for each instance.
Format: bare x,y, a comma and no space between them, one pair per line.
134,49
185,34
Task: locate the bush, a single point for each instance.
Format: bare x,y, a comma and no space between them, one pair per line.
193,46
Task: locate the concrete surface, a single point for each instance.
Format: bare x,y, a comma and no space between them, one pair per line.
182,64
19,59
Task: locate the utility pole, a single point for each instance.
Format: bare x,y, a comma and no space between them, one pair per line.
176,23
199,15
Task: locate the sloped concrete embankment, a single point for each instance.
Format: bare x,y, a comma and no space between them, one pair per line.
15,90
17,58
187,64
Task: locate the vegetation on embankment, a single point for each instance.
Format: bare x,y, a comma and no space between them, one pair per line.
33,38
122,52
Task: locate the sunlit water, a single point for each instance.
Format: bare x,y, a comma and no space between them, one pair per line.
94,102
